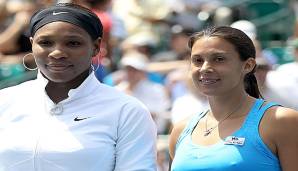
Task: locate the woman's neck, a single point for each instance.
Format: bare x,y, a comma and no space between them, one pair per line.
59,91
236,104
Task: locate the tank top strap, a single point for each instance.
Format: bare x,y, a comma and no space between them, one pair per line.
251,117
256,114
255,120
264,108
252,129
190,126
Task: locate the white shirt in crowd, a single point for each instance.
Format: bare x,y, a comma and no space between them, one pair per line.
154,96
284,82
186,106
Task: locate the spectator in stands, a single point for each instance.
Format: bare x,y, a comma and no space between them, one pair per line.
137,84
262,69
189,104
284,80
13,38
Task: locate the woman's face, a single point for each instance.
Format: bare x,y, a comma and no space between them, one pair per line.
216,67
62,51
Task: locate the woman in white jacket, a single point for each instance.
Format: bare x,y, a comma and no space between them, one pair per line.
66,120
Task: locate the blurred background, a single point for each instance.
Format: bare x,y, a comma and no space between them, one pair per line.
144,50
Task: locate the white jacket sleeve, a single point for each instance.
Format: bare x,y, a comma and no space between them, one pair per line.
136,143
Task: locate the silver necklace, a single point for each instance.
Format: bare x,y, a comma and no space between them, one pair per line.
208,131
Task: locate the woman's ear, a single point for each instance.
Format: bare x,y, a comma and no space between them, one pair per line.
31,40
96,44
249,65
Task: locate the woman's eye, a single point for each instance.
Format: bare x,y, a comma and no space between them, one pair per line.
44,43
219,59
74,43
197,60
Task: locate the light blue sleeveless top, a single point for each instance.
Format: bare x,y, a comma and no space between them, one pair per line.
253,155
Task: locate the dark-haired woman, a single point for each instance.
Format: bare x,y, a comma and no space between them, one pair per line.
66,120
240,131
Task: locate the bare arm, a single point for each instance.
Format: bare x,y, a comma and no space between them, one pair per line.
11,59
286,137
174,137
9,37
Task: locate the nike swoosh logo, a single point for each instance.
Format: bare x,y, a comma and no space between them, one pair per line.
79,119
57,13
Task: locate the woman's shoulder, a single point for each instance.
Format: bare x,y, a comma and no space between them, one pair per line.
112,92
283,121
282,115
283,126
175,134
108,93
180,126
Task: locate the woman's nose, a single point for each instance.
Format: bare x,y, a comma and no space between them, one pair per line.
206,67
58,53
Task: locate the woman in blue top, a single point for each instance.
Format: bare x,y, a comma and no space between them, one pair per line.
240,131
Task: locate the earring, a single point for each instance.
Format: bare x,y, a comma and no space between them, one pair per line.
31,69
97,64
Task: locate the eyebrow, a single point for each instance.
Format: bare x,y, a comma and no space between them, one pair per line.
196,55
219,54
212,54
77,36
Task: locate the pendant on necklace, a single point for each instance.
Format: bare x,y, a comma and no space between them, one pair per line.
208,131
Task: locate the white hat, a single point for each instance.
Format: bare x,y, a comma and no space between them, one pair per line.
141,38
136,60
247,27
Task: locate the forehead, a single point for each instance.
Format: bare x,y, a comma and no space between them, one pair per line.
207,45
60,28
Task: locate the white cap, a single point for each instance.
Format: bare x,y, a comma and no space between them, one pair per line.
141,38
247,27
136,60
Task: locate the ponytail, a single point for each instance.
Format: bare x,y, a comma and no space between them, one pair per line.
251,85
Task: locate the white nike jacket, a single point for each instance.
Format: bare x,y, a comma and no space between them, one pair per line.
96,128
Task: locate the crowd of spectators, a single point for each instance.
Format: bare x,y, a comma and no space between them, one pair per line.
144,52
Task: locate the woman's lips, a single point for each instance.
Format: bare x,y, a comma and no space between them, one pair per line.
57,67
208,81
